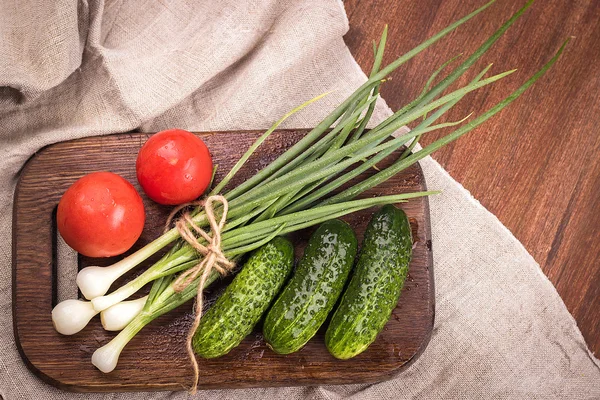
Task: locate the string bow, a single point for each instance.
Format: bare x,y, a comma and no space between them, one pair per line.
213,259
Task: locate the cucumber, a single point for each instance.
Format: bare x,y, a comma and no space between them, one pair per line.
314,288
243,302
375,286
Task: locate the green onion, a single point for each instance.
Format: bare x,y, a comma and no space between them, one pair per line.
295,190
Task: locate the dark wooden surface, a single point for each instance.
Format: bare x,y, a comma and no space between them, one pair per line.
155,359
537,164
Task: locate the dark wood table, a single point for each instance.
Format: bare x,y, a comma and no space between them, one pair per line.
536,165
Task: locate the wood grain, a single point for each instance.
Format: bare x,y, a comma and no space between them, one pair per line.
535,165
155,359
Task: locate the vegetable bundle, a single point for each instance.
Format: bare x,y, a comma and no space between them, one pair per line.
295,190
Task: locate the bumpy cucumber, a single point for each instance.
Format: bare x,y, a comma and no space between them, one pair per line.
243,302
375,286
311,293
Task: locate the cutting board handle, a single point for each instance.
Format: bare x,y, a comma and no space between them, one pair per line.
34,239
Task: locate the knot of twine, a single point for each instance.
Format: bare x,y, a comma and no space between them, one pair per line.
213,259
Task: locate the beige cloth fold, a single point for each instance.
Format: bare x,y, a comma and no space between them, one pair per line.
69,70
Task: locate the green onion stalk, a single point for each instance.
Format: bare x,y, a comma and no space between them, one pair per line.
295,190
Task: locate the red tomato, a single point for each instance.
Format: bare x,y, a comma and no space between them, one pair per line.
101,215
174,167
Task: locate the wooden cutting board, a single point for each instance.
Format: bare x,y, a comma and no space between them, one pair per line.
155,359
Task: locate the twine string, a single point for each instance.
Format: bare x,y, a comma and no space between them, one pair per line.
213,259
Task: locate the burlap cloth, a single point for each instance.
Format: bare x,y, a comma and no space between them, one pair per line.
69,70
